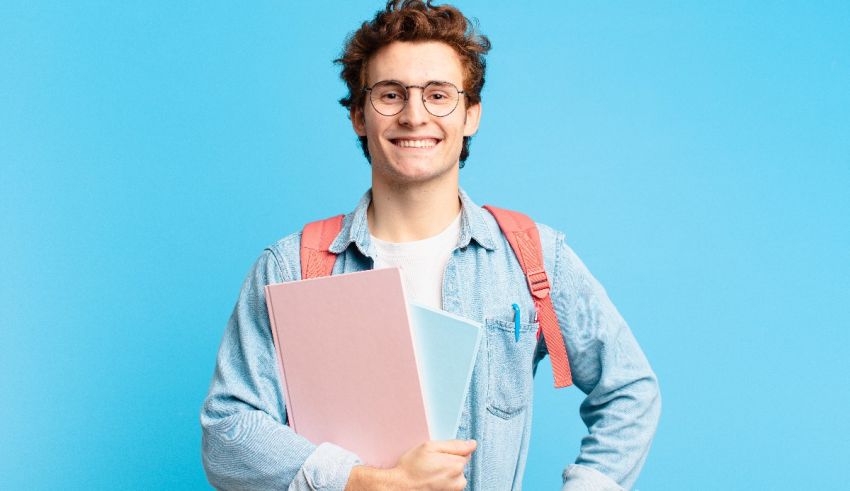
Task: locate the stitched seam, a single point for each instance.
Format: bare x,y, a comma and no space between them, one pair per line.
277,260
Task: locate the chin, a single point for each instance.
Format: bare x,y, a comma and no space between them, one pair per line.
410,172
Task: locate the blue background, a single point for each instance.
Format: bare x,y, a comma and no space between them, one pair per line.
697,154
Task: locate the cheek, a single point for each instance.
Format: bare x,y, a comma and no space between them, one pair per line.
457,129
375,127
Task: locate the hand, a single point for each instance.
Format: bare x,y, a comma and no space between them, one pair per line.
433,465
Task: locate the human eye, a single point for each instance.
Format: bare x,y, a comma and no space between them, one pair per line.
440,93
390,93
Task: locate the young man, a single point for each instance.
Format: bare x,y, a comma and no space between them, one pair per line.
414,76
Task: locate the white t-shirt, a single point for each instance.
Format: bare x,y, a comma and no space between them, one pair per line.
422,263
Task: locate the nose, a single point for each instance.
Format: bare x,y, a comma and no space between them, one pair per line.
414,112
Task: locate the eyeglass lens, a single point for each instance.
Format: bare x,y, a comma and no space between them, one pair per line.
389,98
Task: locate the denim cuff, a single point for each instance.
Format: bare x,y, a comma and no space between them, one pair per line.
327,468
582,478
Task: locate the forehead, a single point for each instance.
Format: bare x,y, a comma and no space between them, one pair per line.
415,62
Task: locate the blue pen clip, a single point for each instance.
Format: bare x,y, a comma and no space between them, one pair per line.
516,322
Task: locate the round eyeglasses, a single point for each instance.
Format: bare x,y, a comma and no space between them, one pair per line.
389,97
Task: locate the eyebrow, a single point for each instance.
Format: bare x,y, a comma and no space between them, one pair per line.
424,84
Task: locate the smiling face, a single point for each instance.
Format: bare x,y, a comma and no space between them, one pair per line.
414,146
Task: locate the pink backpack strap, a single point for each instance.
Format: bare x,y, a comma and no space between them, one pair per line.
316,239
522,234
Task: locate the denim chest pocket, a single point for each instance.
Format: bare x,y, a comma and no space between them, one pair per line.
510,381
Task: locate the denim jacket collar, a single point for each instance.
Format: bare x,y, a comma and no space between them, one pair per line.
355,228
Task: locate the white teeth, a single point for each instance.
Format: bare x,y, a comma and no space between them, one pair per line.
416,143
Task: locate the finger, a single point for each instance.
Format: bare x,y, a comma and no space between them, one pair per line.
460,483
451,465
454,447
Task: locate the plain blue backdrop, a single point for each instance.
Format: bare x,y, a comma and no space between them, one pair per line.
697,155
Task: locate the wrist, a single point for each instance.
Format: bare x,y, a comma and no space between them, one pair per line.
364,478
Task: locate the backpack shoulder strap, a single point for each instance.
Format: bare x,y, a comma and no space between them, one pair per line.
316,239
522,234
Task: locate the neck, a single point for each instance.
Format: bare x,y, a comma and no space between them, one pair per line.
400,213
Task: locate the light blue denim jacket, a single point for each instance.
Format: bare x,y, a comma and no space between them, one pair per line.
247,444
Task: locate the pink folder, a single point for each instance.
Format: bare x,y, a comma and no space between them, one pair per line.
348,367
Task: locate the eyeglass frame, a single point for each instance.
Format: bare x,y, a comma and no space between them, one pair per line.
407,96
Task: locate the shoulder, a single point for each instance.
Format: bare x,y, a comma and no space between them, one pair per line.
283,256
548,235
552,241
556,247
551,238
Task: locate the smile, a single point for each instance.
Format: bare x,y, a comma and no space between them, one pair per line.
415,143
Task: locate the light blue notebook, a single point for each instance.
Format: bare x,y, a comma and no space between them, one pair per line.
446,346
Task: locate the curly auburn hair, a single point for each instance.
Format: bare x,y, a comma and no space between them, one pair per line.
414,20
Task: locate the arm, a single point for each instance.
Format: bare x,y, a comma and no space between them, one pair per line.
433,465
623,403
246,442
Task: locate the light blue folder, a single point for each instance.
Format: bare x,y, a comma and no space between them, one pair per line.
446,346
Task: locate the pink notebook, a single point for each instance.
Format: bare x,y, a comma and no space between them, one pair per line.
348,367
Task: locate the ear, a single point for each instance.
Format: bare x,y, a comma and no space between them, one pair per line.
358,120
473,117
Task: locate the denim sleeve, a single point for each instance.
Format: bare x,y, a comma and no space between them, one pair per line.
246,441
623,402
